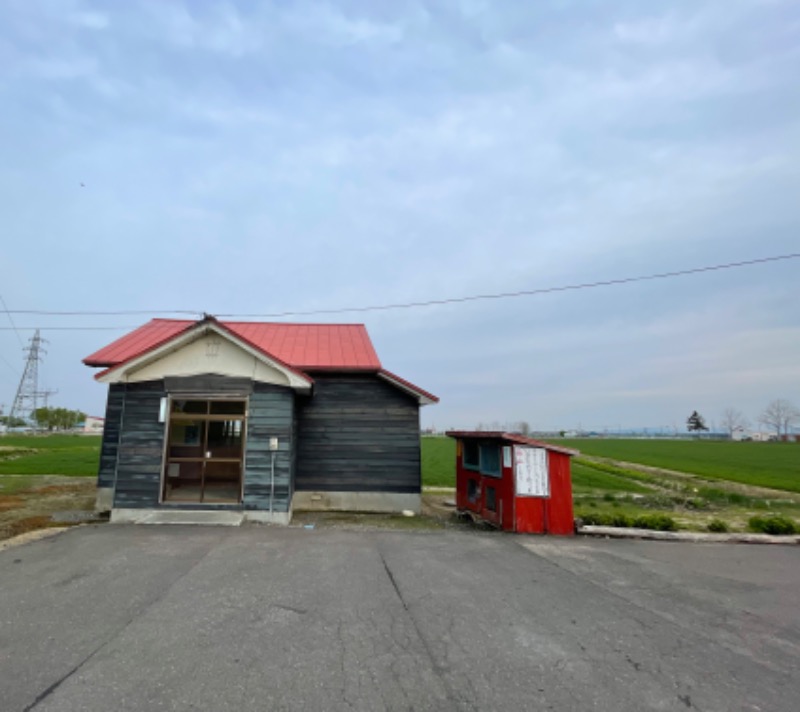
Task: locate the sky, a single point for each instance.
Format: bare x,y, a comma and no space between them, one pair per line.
269,157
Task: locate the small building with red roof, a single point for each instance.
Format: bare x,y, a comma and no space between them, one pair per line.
514,482
254,419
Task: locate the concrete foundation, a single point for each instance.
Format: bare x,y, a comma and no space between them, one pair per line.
196,516
356,502
105,499
176,516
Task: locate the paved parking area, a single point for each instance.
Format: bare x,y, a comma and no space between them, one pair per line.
267,618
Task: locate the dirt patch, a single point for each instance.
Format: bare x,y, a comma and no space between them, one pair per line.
10,501
31,508
438,512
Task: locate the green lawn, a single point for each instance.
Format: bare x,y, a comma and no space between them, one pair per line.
76,455
588,479
438,462
775,465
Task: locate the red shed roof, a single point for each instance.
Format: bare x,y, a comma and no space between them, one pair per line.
507,437
303,346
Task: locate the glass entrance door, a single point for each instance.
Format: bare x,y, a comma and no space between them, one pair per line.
205,451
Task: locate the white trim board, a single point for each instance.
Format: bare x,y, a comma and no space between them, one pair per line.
206,348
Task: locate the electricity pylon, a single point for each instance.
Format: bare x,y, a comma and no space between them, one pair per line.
27,399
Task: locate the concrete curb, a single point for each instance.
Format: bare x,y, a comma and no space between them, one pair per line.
630,533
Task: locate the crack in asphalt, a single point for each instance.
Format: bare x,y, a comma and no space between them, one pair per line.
455,700
42,696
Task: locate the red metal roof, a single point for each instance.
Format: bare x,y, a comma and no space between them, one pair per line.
394,377
300,347
304,346
507,437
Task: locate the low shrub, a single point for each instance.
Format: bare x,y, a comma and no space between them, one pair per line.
618,519
608,497
717,526
658,522
774,524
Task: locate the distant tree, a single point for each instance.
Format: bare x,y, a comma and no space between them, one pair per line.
733,420
12,422
524,428
779,416
695,422
57,418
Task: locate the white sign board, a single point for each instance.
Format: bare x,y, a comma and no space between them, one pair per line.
531,473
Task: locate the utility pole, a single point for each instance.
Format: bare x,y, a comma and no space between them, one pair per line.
27,399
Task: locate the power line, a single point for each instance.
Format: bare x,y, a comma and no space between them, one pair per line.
139,312
401,305
526,292
7,363
71,328
8,314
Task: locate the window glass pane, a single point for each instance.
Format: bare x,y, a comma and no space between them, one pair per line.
190,406
471,454
490,459
183,481
491,499
472,490
222,482
227,407
225,438
186,438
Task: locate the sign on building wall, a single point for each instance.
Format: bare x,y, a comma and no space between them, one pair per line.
531,472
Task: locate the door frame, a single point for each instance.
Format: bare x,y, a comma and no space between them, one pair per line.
207,418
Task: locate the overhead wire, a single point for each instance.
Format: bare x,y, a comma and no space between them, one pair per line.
398,305
524,292
14,326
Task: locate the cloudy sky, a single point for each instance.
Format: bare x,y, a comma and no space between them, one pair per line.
266,157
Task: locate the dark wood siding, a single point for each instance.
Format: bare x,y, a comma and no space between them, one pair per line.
357,433
270,414
209,384
108,449
141,447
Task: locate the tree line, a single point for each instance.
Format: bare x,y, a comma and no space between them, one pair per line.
780,417
48,419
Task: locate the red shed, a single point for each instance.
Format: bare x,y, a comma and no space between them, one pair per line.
520,484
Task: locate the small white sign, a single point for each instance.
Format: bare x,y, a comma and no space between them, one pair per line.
507,456
531,472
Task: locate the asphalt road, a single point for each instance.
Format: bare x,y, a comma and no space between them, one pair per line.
267,618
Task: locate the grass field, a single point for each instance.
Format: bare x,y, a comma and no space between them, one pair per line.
74,455
775,465
438,462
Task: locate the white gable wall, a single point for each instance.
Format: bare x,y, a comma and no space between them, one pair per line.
208,354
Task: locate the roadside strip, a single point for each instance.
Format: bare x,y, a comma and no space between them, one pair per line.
631,533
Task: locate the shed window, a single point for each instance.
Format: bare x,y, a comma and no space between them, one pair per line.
491,499
482,456
472,490
472,455
490,459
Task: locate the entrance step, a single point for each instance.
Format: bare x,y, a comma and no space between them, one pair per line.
222,519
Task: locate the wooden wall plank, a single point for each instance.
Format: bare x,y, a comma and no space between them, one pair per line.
357,433
270,414
141,446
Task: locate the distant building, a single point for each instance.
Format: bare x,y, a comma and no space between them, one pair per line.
93,425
